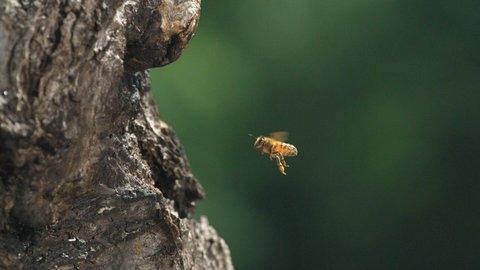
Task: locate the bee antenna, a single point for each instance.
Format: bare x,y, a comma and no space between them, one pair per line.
251,135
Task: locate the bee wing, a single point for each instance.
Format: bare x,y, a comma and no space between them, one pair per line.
279,135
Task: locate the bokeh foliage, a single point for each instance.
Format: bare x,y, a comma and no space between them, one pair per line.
382,100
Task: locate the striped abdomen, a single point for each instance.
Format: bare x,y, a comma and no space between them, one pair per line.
285,149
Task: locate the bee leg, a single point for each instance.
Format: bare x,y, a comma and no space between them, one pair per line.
278,158
283,160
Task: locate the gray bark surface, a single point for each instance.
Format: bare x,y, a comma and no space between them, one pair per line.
90,176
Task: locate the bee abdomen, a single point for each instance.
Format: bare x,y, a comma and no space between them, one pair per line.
286,149
290,150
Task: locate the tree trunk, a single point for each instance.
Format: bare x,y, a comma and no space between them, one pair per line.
90,177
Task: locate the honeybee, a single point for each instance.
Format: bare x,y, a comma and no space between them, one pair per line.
276,148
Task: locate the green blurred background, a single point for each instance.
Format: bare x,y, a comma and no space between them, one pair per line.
382,100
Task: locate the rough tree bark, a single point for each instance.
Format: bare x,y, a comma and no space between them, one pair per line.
90,177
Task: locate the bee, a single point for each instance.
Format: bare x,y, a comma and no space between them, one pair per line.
276,148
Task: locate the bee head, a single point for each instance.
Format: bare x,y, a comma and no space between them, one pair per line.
259,142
